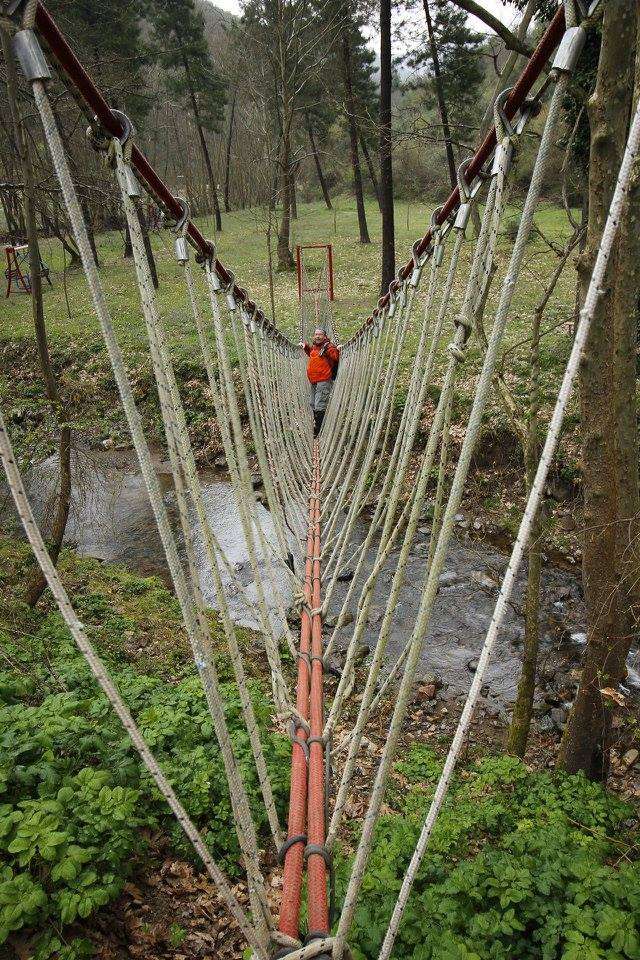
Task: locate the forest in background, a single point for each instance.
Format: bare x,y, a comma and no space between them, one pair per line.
261,122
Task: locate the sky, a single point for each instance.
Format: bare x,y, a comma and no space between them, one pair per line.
506,12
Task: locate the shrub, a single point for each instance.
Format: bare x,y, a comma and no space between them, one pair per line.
74,796
517,867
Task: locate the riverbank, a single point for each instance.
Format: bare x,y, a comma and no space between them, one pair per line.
144,895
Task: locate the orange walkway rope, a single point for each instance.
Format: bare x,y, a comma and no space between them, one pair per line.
307,814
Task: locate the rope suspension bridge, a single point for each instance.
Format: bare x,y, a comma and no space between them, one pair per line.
316,488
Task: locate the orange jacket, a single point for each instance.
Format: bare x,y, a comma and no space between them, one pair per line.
322,361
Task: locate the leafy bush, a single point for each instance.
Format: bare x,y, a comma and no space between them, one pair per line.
517,867
74,797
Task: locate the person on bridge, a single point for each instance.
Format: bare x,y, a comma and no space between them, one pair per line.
322,367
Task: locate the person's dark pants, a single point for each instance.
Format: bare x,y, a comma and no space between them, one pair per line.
320,393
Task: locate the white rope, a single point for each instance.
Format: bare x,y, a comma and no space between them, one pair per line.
431,586
534,500
109,689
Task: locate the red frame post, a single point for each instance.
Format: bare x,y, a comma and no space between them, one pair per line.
315,246
15,272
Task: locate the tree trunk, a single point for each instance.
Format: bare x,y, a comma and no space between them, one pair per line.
227,166
203,146
523,708
388,268
285,257
371,169
442,106
38,583
294,195
316,159
353,128
609,447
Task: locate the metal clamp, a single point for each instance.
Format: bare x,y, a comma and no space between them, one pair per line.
402,290
437,234
569,51
181,249
227,288
28,53
128,128
180,224
502,157
499,112
392,299
418,263
464,210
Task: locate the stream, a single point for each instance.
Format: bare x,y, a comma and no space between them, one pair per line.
111,519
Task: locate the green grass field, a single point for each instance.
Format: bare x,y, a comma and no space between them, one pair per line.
242,246
79,353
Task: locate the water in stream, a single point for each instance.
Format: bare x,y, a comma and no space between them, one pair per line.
111,519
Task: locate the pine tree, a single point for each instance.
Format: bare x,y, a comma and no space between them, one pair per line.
181,48
460,71
107,36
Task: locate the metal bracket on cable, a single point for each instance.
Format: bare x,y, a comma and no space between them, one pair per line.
211,260
464,210
28,52
392,299
180,245
227,289
103,141
438,237
569,50
503,153
418,263
402,290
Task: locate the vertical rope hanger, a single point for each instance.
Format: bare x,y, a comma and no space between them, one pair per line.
468,445
358,434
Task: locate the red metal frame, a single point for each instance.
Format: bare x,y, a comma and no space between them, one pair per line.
315,246
13,272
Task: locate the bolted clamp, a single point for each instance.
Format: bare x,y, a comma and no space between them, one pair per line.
418,263
210,264
466,196
438,236
28,53
569,51
392,299
505,132
227,289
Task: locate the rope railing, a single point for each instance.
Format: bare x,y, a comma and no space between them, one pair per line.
316,490
110,122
